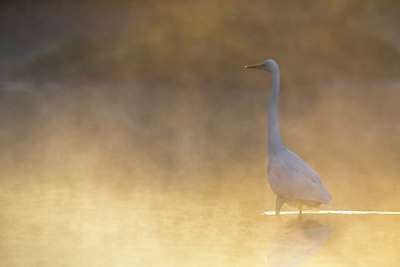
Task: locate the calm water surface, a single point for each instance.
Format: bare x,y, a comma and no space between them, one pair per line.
57,226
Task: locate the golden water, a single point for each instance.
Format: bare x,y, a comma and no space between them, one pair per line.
47,225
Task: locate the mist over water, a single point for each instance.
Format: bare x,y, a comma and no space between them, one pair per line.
131,135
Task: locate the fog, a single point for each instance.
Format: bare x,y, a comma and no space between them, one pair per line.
131,134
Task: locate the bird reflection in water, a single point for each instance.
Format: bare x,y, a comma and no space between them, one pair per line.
295,243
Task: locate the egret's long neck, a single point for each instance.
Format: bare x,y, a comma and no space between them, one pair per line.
274,136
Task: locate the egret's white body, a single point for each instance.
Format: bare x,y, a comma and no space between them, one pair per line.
292,180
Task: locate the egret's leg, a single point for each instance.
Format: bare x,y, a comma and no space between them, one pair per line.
300,213
278,204
300,218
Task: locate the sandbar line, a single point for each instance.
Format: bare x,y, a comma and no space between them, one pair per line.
348,212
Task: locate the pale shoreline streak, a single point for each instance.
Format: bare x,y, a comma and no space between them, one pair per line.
356,212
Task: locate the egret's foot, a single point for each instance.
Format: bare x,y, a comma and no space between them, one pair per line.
300,218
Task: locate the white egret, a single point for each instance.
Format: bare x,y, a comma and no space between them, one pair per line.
291,179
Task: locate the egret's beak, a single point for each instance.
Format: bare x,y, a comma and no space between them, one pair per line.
255,66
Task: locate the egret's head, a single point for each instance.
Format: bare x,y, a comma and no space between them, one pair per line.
269,65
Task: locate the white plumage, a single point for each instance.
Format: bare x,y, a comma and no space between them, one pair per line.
292,180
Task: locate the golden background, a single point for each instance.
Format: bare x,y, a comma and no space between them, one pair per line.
131,135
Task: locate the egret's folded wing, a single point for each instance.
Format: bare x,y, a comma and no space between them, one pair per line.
293,178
